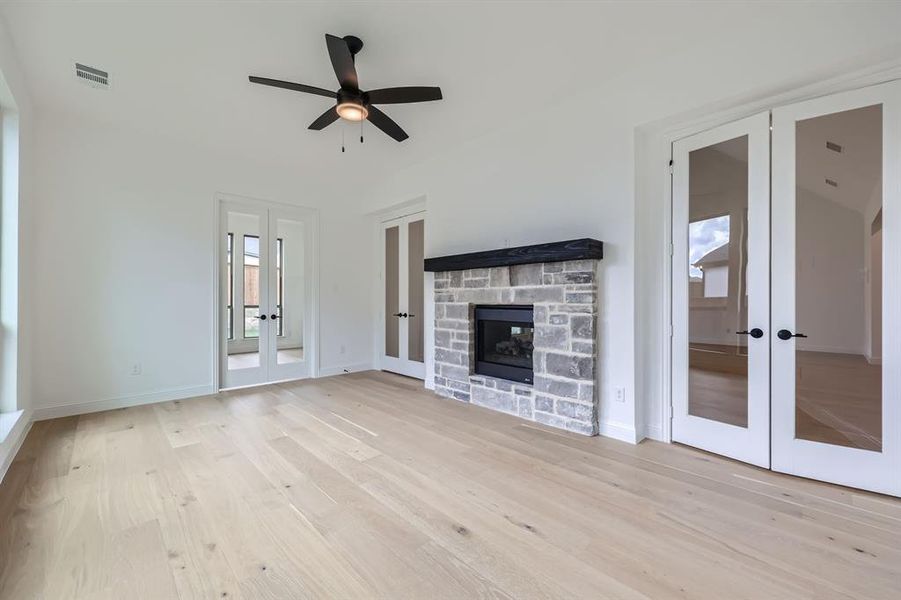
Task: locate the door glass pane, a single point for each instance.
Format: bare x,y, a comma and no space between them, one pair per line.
392,293
416,266
290,291
838,279
243,297
716,270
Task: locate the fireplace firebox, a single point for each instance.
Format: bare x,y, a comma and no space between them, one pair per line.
504,342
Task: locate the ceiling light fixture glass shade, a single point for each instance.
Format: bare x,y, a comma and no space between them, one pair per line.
351,111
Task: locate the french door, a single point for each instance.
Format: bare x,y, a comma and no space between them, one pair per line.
266,262
720,368
403,343
836,305
786,304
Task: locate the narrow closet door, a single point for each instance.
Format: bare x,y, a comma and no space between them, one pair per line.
403,341
720,368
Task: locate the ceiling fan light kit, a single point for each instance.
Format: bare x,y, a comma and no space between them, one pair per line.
352,103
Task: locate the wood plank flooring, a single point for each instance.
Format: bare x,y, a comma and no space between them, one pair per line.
366,486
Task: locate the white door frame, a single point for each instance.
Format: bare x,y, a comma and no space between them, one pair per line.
752,443
219,270
400,364
865,469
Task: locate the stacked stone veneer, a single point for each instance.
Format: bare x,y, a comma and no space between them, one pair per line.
564,296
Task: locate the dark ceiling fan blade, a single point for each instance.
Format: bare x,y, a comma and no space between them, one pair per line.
401,95
342,61
297,87
386,124
325,119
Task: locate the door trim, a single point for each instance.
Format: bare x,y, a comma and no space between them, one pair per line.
218,271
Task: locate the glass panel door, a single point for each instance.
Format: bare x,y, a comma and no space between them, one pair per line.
720,295
836,261
403,275
289,289
242,294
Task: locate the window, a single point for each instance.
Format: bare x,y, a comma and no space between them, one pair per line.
708,257
251,286
231,286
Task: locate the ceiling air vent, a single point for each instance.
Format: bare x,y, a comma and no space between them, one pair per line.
834,147
832,182
91,76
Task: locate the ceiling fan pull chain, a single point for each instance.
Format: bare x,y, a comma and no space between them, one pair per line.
342,139
361,131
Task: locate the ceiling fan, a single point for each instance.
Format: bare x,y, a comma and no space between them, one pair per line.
352,103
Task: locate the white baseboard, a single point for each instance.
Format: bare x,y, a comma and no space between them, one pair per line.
83,408
340,370
13,440
654,432
618,431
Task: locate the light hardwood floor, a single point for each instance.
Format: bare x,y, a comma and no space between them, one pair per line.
365,486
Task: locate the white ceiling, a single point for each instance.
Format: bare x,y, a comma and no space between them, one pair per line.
180,69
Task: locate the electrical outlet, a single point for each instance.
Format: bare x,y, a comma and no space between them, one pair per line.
620,394
136,369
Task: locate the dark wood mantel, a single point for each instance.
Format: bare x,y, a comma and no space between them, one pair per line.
585,248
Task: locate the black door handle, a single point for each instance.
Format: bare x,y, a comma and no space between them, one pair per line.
397,315
411,315
404,315
785,334
273,317
261,317
755,333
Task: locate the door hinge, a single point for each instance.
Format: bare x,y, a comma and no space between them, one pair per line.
671,166
672,249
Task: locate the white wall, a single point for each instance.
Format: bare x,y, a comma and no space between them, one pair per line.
124,263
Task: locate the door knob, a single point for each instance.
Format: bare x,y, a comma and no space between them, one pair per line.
404,315
785,334
755,333
397,315
262,317
273,317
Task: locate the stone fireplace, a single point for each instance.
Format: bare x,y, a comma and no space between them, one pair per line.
560,342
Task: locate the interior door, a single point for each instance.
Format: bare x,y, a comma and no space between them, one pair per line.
403,344
290,314
244,258
720,359
836,289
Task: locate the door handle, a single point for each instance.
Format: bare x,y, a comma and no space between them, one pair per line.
755,333
397,315
273,317
411,315
261,317
785,334
404,315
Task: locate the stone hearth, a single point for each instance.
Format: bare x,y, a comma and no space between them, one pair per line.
564,296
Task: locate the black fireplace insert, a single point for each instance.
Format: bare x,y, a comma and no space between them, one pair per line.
504,342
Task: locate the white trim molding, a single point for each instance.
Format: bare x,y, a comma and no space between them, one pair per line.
83,408
15,427
344,369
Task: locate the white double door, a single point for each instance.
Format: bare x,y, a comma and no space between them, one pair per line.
787,289
403,307
265,307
